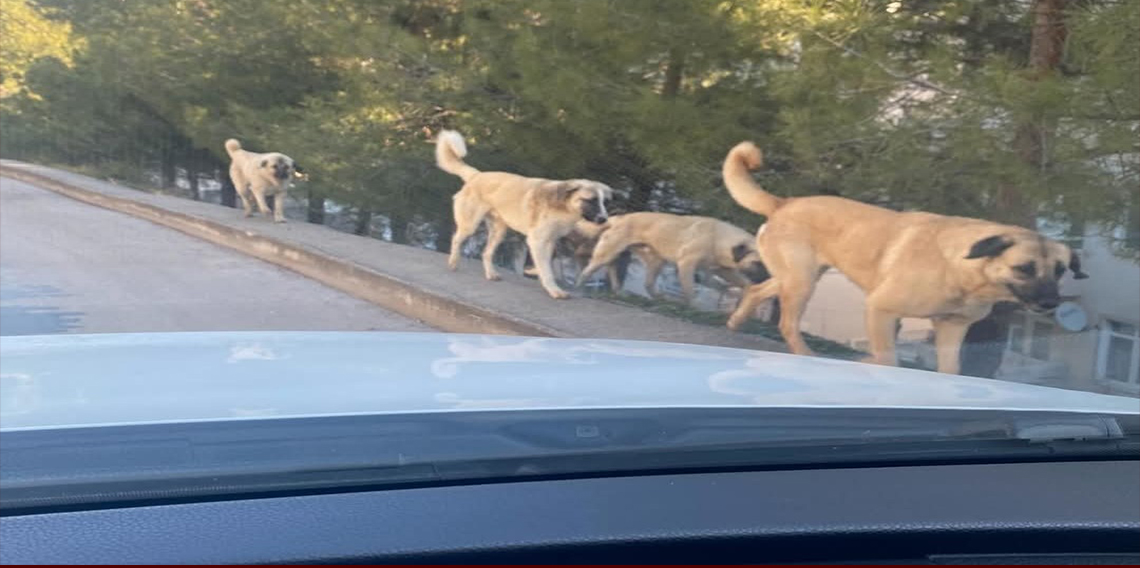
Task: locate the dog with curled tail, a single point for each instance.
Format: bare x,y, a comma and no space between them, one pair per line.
257,176
951,270
543,210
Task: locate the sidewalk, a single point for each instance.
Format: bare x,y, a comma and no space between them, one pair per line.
412,281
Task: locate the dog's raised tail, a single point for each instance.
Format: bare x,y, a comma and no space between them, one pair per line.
450,149
232,145
738,166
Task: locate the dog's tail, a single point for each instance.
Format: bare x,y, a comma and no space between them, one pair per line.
232,145
741,160
450,150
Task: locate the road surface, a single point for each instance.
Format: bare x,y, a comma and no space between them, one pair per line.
69,267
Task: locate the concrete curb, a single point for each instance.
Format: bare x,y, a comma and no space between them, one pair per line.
437,310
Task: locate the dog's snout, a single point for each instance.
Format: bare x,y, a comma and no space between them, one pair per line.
601,219
756,272
1046,295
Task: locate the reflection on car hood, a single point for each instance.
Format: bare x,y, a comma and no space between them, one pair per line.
71,380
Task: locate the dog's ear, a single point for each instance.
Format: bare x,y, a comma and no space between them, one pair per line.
264,163
563,190
740,251
1075,266
989,247
607,191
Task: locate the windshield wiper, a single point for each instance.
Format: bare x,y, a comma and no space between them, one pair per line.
134,464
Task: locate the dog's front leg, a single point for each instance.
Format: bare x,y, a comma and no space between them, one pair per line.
948,336
498,230
541,246
687,274
750,300
262,206
279,205
881,328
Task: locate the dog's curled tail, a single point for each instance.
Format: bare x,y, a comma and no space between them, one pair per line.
450,150
738,165
232,145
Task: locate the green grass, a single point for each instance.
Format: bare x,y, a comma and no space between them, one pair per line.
716,319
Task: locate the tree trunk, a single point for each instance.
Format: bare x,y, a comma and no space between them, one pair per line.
169,167
192,177
316,208
363,223
674,72
229,194
1046,47
398,225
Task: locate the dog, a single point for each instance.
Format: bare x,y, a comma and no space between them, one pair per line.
951,270
543,210
691,242
257,176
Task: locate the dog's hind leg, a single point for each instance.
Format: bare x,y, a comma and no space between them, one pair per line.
609,247
241,188
796,287
468,215
881,328
497,229
245,204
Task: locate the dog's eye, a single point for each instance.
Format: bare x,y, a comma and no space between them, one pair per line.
1028,269
1059,270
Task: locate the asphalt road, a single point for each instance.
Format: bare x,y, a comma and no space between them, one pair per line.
68,267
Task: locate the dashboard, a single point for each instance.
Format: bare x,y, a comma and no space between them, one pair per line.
1041,512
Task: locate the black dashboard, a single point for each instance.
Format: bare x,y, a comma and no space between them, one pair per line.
1044,512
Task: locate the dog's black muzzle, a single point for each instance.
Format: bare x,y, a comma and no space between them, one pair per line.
593,213
1041,297
282,172
756,272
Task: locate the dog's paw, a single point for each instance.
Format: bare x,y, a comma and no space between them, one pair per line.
247,214
279,221
734,324
493,277
558,294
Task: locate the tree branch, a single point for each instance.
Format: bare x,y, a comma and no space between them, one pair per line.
885,69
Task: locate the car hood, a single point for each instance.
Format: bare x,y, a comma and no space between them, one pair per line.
83,380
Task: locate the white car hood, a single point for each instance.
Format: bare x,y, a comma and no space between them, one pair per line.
87,380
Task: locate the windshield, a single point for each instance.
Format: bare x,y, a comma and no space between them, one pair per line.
225,210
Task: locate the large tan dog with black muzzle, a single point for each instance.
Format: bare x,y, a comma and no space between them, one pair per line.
951,270
543,210
692,242
256,176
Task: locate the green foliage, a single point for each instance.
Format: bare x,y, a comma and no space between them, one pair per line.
912,104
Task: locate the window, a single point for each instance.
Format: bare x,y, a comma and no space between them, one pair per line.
1031,336
1017,338
1039,346
1118,355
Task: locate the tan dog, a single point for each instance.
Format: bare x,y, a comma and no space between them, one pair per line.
691,242
261,175
541,209
949,269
